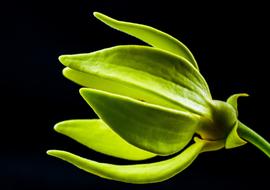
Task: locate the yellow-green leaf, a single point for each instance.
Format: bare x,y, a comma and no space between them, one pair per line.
151,36
137,173
142,73
150,127
95,134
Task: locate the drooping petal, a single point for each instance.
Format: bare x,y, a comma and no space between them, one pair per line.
137,173
144,73
151,36
153,128
95,134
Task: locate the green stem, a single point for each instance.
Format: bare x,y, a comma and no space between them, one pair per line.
254,138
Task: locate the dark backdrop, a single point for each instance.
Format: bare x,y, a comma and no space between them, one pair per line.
230,42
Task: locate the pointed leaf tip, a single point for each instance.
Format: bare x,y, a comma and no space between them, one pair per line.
83,91
50,152
61,58
64,59
95,13
99,15
58,127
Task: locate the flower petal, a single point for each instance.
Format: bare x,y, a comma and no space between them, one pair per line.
159,77
95,134
137,173
153,128
232,100
151,36
233,139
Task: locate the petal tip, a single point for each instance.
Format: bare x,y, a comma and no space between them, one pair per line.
58,127
50,152
243,95
63,59
97,14
83,91
100,16
65,71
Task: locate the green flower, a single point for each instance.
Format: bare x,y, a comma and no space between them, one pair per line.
151,101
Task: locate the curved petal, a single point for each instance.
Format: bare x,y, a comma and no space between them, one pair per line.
151,36
137,173
117,87
169,79
95,134
153,128
233,139
232,100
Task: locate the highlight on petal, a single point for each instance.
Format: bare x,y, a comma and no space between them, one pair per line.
95,134
142,73
150,127
137,173
151,36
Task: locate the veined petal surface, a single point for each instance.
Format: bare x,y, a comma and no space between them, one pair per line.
153,128
160,77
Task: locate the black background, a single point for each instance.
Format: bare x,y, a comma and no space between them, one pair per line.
230,42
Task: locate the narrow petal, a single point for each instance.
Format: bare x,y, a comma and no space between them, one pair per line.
95,134
151,36
137,173
153,128
161,78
